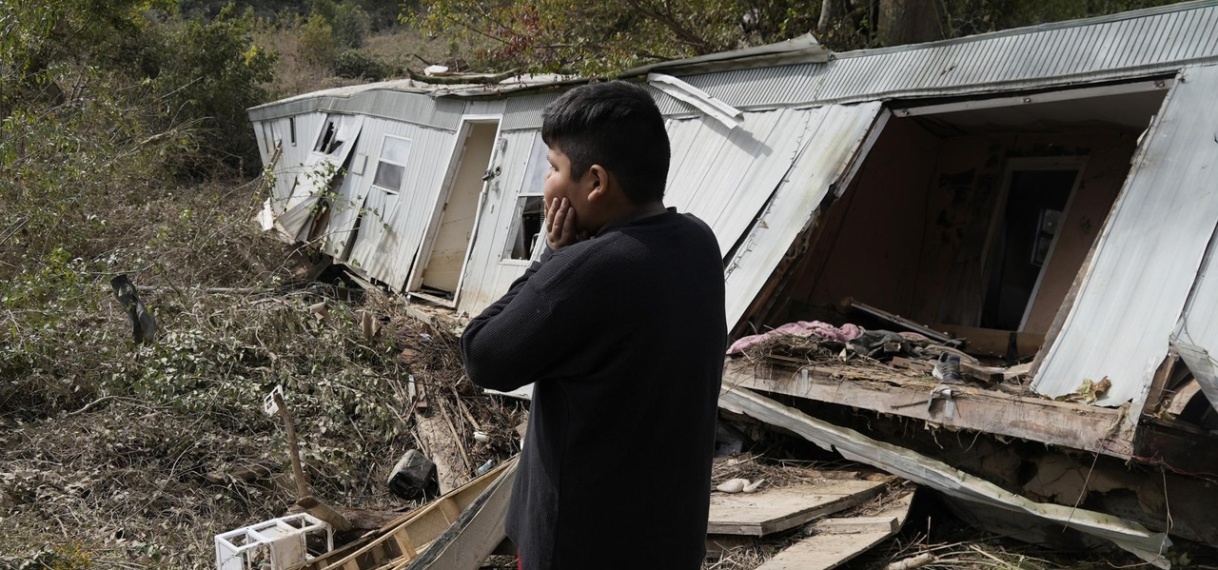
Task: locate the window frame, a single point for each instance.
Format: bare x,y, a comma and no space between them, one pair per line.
380,157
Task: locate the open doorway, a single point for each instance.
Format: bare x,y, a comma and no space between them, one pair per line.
1035,198
441,259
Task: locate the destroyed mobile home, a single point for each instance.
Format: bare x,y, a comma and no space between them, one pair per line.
1038,206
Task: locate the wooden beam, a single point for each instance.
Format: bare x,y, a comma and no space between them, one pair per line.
778,509
1076,426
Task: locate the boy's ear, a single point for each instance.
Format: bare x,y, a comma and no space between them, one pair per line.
598,181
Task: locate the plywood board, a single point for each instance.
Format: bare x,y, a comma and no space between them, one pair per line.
778,509
834,544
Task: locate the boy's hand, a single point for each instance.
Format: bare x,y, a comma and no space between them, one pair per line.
560,225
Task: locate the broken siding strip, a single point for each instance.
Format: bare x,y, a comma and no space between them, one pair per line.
1148,256
942,477
1196,335
835,134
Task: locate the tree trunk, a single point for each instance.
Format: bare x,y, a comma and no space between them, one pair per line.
908,22
831,11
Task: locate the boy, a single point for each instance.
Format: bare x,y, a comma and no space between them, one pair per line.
621,328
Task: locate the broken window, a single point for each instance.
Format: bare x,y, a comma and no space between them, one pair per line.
337,131
391,166
526,227
524,241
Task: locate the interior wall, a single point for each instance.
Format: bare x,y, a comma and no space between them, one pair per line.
967,184
909,234
873,235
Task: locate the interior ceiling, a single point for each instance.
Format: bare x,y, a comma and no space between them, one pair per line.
1129,111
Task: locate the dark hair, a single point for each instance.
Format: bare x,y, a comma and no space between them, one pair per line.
616,125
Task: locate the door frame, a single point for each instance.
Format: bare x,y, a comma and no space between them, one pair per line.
423,255
1077,163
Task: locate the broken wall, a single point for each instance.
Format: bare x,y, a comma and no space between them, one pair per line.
909,236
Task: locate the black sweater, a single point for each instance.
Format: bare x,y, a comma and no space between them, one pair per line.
624,336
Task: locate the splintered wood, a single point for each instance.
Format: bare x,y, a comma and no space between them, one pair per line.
777,509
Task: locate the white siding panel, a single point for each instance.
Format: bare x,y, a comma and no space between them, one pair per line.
392,228
835,135
725,176
1148,255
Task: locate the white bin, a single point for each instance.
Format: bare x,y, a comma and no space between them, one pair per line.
277,544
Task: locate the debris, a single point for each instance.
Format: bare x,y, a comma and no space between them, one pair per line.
849,303
414,476
402,540
732,485
485,467
475,534
940,476
276,544
1089,391
324,512
912,562
143,326
728,440
837,541
947,369
780,508
441,446
752,487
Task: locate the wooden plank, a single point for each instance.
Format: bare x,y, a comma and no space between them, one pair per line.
1077,426
855,525
995,342
778,509
830,547
476,533
412,531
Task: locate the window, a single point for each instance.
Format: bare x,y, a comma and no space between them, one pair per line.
391,167
292,130
338,130
526,227
528,221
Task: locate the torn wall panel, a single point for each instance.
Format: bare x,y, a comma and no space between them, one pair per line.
1148,255
835,137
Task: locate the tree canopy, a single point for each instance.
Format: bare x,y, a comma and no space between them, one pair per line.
591,38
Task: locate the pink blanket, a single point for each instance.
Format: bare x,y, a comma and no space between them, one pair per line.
805,329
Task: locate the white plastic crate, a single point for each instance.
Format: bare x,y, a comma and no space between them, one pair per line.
277,544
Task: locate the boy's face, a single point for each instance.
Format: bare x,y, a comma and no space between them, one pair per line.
561,184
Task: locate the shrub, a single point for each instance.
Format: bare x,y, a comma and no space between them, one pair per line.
356,64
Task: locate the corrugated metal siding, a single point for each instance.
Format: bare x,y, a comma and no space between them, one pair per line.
1105,48
524,111
835,133
725,176
1148,254
392,228
487,276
